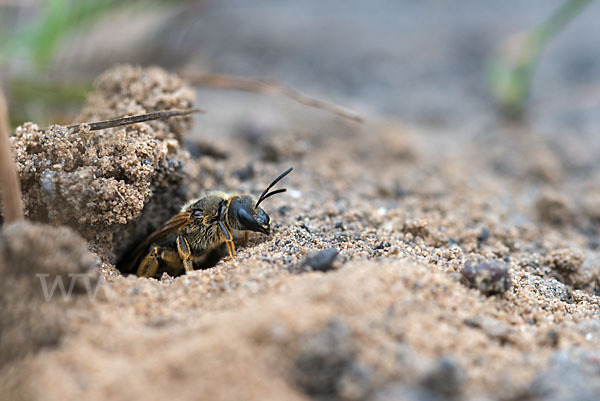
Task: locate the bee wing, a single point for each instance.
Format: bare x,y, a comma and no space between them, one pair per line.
169,227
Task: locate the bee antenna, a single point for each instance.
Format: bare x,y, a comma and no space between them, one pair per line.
265,195
277,191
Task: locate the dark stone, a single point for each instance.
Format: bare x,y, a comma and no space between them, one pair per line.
489,277
245,173
484,235
446,379
323,358
322,260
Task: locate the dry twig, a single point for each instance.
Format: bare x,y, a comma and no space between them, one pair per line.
140,118
268,88
9,179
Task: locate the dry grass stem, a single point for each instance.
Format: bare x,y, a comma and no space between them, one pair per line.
118,122
9,180
267,88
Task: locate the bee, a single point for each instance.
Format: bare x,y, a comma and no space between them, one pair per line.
201,234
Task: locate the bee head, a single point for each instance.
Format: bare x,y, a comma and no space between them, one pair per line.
247,215
244,216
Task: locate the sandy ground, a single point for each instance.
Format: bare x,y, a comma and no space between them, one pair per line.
394,317
467,248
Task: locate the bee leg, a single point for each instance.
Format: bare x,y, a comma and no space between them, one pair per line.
149,265
183,248
228,240
245,238
230,248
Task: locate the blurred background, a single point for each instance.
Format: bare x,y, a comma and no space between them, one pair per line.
465,65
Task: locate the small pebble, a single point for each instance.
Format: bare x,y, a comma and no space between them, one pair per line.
484,235
245,173
322,260
446,379
489,277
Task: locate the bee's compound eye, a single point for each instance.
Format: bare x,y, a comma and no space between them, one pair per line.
197,213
